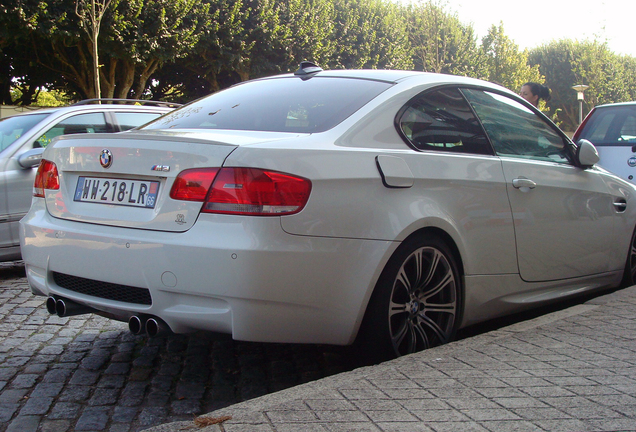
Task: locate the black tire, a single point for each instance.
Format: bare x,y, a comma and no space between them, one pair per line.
629,274
416,303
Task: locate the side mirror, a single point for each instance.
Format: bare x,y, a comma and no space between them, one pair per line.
31,158
586,154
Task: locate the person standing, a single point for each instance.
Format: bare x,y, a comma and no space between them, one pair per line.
533,92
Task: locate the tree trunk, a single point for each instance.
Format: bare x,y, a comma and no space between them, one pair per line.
98,91
150,68
126,79
107,79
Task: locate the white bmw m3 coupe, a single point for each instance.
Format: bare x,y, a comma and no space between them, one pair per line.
385,207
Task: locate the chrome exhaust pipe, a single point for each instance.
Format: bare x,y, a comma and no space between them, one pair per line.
66,308
155,327
137,325
50,305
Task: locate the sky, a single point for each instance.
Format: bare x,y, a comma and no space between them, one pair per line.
533,23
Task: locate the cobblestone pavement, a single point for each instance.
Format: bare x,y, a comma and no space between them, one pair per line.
573,370
88,373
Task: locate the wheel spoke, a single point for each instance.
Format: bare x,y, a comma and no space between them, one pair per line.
405,281
432,270
425,322
436,289
448,308
632,259
401,333
413,330
397,308
418,329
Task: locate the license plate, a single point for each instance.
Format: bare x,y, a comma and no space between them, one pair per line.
135,193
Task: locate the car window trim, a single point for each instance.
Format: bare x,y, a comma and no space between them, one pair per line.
401,111
569,144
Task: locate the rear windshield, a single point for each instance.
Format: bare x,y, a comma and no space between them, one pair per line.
278,105
12,128
615,126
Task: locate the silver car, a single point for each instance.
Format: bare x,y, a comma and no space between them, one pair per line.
385,207
23,138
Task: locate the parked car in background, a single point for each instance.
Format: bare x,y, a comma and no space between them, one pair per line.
24,137
612,130
387,207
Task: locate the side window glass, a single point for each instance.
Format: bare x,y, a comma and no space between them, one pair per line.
516,131
81,123
601,129
443,121
130,120
628,130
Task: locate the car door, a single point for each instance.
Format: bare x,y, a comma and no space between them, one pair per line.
14,140
563,215
19,180
5,227
457,175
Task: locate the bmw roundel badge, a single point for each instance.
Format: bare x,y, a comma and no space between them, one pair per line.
106,158
632,161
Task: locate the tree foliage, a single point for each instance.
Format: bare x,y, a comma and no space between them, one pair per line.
369,34
441,43
566,63
182,49
506,65
145,35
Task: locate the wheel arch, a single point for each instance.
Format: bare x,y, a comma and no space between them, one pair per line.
449,241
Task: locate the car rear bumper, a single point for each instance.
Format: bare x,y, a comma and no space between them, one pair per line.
238,275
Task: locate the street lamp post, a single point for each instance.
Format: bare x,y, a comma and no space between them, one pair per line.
580,88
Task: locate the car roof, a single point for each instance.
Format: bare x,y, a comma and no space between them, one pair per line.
87,107
618,104
394,76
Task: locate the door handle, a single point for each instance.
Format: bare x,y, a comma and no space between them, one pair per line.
523,183
620,205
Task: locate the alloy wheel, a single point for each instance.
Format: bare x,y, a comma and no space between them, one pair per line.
423,302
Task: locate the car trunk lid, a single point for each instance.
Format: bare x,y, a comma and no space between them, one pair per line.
124,180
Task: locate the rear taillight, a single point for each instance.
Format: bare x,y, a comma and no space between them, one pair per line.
46,178
193,184
244,191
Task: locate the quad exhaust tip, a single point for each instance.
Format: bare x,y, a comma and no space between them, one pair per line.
50,305
156,327
65,308
137,325
151,326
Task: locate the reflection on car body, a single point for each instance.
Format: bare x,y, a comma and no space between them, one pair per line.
386,208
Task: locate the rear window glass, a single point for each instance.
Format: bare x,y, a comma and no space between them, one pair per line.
12,128
615,126
278,105
77,124
130,120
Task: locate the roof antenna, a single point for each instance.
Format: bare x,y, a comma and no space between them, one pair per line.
307,68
